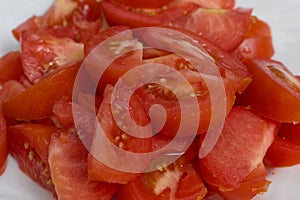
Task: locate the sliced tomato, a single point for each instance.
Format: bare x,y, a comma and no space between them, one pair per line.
68,165
241,147
165,184
225,28
274,92
28,144
258,41
143,4
79,31
37,136
123,15
282,153
63,14
229,66
10,89
37,101
10,67
119,37
66,112
255,183
96,169
3,144
291,132
153,94
42,53
227,4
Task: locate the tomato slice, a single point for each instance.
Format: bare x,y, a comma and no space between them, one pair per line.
122,15
143,4
274,92
28,144
258,41
10,67
156,94
282,153
165,184
120,65
96,169
67,14
42,53
290,132
255,183
37,101
217,4
3,144
68,165
229,66
239,150
226,28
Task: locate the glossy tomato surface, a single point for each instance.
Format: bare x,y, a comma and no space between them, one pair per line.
13,179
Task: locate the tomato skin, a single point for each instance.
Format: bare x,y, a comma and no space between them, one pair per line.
37,101
36,166
3,144
99,171
217,4
290,132
68,164
255,183
226,28
10,67
145,185
248,144
120,65
274,91
282,153
258,41
229,66
64,15
257,47
122,15
143,4
36,135
43,53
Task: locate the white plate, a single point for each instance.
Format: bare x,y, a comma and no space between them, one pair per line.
285,23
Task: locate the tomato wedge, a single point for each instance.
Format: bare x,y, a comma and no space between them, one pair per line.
37,101
28,144
217,4
226,28
68,164
165,184
122,15
121,35
274,92
282,153
255,183
96,169
239,150
153,94
66,15
258,41
3,144
143,4
42,53
10,67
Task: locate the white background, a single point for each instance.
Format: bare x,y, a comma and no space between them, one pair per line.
284,20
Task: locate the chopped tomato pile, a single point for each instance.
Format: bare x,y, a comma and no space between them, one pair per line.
43,128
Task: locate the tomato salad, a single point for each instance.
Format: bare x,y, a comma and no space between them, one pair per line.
54,138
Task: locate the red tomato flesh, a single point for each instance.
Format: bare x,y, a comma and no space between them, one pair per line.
68,165
240,149
274,92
